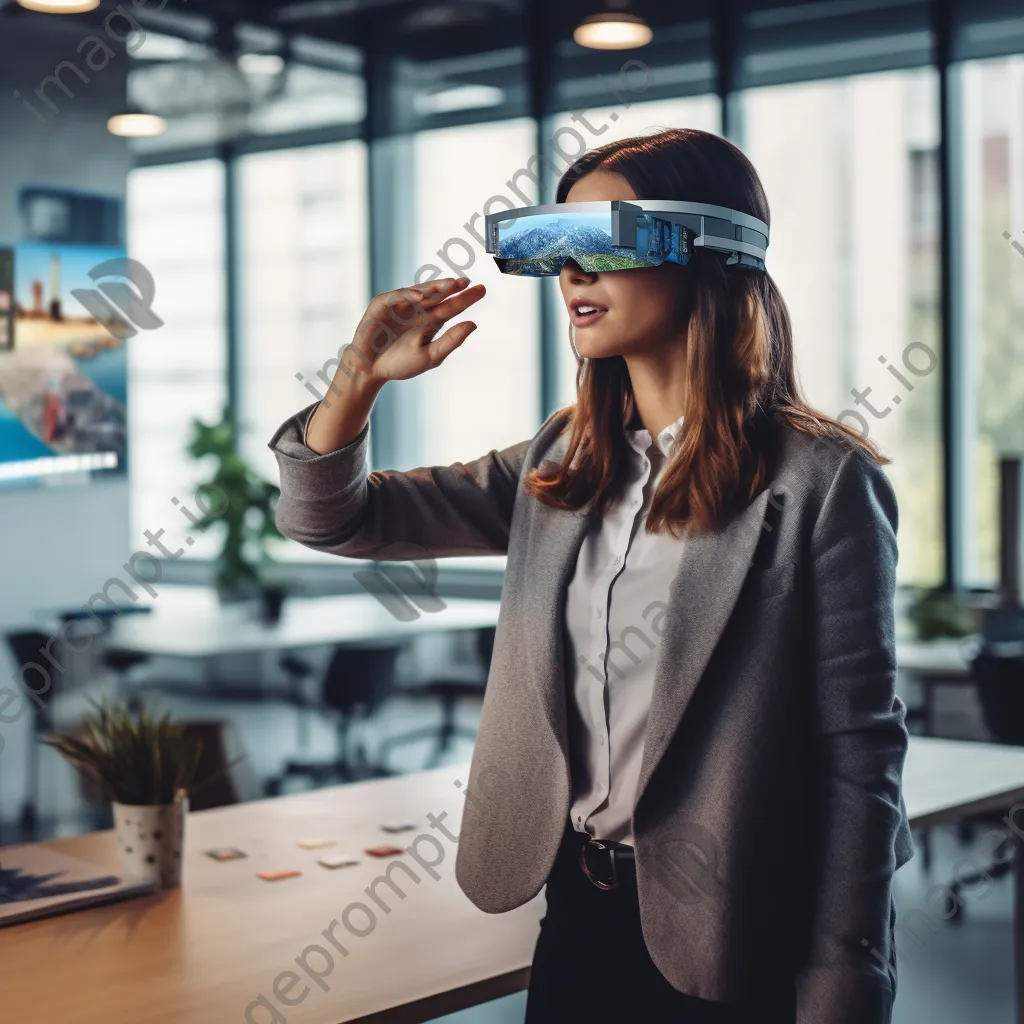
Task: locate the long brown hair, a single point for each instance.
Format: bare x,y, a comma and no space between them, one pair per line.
740,380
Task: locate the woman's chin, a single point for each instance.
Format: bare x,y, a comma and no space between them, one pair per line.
597,347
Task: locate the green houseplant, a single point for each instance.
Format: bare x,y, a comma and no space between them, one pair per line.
242,506
146,766
935,612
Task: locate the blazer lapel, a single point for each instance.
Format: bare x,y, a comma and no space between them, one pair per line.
559,545
712,569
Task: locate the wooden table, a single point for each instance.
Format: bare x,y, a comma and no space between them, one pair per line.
204,953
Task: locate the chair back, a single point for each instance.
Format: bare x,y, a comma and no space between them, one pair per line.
1000,684
360,677
28,647
485,644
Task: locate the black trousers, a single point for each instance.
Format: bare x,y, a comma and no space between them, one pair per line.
591,962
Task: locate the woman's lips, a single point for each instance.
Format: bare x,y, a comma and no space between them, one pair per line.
585,314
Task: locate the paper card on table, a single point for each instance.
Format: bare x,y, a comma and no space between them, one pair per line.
398,826
225,853
338,860
315,844
384,851
278,875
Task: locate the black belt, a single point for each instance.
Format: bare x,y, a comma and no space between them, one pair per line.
604,861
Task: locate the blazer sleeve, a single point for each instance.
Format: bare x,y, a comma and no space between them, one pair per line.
861,742
332,503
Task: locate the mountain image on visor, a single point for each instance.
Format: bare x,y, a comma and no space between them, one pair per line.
537,245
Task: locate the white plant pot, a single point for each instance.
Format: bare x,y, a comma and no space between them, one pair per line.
151,839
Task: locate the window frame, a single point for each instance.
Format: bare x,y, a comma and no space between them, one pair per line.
950,23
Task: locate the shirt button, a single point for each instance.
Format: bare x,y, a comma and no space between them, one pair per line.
599,613
617,560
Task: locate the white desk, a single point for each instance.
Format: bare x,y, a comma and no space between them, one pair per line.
933,663
944,780
189,622
945,658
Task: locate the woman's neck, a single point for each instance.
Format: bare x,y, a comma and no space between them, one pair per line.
658,382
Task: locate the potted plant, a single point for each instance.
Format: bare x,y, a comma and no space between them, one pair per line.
248,520
146,767
935,612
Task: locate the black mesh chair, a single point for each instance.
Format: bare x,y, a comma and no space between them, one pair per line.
998,671
448,692
29,647
356,683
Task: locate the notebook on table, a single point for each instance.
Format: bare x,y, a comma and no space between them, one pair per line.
36,882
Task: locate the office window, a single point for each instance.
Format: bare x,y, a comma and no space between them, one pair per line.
304,280
849,168
610,123
208,99
175,217
992,232
485,395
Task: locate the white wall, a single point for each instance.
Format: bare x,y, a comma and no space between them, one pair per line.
57,545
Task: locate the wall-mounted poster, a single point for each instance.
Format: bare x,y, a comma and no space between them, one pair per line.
63,364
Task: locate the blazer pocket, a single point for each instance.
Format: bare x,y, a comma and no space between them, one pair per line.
770,582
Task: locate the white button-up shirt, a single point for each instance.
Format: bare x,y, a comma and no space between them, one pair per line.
614,618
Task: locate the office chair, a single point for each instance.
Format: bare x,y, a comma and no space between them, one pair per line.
356,683
449,692
998,672
120,662
28,647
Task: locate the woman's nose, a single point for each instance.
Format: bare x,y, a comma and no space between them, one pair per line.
576,274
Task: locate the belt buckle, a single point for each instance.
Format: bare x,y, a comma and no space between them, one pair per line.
586,870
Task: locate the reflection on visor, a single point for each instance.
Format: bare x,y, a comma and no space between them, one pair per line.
537,245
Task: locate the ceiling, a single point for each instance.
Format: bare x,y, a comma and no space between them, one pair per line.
420,30
453,58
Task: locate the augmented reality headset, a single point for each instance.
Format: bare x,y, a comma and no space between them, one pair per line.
620,235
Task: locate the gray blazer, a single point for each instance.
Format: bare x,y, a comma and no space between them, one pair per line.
769,817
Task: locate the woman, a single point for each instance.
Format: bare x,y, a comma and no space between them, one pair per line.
690,733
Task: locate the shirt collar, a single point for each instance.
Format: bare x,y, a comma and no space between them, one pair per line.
640,439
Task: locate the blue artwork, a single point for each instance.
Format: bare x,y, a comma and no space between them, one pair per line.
63,364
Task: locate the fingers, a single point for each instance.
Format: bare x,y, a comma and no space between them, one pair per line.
442,347
402,303
433,292
452,305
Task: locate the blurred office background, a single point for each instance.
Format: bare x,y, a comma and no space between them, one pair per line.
317,153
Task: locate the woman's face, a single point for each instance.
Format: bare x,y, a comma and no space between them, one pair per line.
637,310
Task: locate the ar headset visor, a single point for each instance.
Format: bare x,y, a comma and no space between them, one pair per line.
620,235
